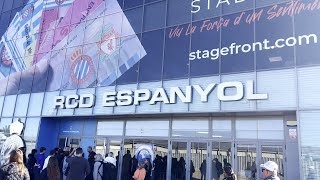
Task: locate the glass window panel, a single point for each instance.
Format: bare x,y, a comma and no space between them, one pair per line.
35,105
22,105
31,129
205,40
134,17
48,108
9,105
270,129
128,62
237,7
222,129
5,20
26,79
55,72
151,65
110,128
276,28
205,13
17,3
176,53
179,12
260,3
41,73
221,153
7,5
246,129
154,16
305,23
190,127
244,59
13,81
70,78
147,128
4,129
93,30
131,4
90,126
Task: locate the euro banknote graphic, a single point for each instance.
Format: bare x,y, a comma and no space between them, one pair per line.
79,43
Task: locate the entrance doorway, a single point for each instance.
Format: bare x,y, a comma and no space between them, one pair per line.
249,156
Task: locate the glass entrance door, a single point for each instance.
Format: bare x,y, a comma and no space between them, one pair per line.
273,152
189,160
246,161
69,142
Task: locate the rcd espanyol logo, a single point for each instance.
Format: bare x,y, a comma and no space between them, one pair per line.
27,11
81,67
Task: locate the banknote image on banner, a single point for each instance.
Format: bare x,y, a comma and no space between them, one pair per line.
55,31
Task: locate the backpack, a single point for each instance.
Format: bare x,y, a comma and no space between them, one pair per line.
109,171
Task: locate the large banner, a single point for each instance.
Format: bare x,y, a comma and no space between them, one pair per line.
69,43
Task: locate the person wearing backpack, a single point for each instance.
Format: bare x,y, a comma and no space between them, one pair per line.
98,167
140,173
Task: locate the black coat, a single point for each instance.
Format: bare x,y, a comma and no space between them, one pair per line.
78,168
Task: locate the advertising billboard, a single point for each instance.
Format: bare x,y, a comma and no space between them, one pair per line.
54,45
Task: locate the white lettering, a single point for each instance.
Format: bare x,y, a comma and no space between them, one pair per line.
159,96
108,99
86,101
204,93
124,98
71,101
138,96
59,102
223,86
250,92
175,91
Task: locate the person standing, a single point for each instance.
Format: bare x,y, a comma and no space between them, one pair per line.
98,167
41,157
270,171
32,164
229,174
79,167
52,171
126,166
91,160
140,173
203,170
16,169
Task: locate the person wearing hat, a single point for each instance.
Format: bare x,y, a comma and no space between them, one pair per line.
270,171
229,174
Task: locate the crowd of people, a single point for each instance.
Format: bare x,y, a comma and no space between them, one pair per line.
70,164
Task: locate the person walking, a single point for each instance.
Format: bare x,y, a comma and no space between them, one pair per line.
140,173
52,171
79,167
32,164
98,167
229,174
46,161
65,166
16,169
270,171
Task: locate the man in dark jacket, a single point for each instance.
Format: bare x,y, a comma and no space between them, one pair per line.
91,161
78,166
